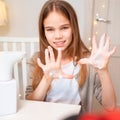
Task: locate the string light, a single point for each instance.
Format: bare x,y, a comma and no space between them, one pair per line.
19,95
95,24
103,6
89,38
96,32
90,48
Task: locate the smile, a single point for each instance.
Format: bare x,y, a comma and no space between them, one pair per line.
59,43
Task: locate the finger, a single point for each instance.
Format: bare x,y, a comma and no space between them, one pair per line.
59,57
102,41
39,63
84,61
47,58
66,76
112,51
52,57
107,44
94,43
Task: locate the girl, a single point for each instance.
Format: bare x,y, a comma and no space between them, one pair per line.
64,70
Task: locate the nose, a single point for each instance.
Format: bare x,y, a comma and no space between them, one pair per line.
58,34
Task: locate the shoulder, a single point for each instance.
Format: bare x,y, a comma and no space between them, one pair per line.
36,55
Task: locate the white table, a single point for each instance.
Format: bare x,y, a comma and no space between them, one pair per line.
36,110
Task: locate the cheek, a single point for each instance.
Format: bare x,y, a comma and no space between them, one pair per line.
69,33
49,37
69,36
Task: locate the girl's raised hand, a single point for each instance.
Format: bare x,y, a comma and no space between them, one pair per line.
100,55
52,67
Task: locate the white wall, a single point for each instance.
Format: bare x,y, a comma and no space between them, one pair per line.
23,17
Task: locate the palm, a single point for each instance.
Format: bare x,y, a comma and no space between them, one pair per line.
100,55
52,65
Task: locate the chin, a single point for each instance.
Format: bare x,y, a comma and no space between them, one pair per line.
56,48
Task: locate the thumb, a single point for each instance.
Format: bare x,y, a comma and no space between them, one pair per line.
84,61
67,76
61,74
39,63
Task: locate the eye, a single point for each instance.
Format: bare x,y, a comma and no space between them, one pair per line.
64,28
49,29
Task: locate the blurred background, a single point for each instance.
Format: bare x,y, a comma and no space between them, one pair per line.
95,18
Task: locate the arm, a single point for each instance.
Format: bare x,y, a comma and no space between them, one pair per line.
51,70
99,59
40,92
108,93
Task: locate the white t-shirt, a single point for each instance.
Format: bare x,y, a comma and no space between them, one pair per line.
65,90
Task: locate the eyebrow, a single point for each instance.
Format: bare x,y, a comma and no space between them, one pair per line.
60,26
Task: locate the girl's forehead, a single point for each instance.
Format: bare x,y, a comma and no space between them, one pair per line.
54,17
56,12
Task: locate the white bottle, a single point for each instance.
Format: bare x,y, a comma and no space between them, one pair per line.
8,86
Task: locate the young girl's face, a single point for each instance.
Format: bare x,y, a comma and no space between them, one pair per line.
58,30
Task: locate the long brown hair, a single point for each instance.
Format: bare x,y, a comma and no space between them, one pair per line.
76,49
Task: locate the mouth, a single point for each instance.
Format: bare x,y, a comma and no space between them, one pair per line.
59,43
